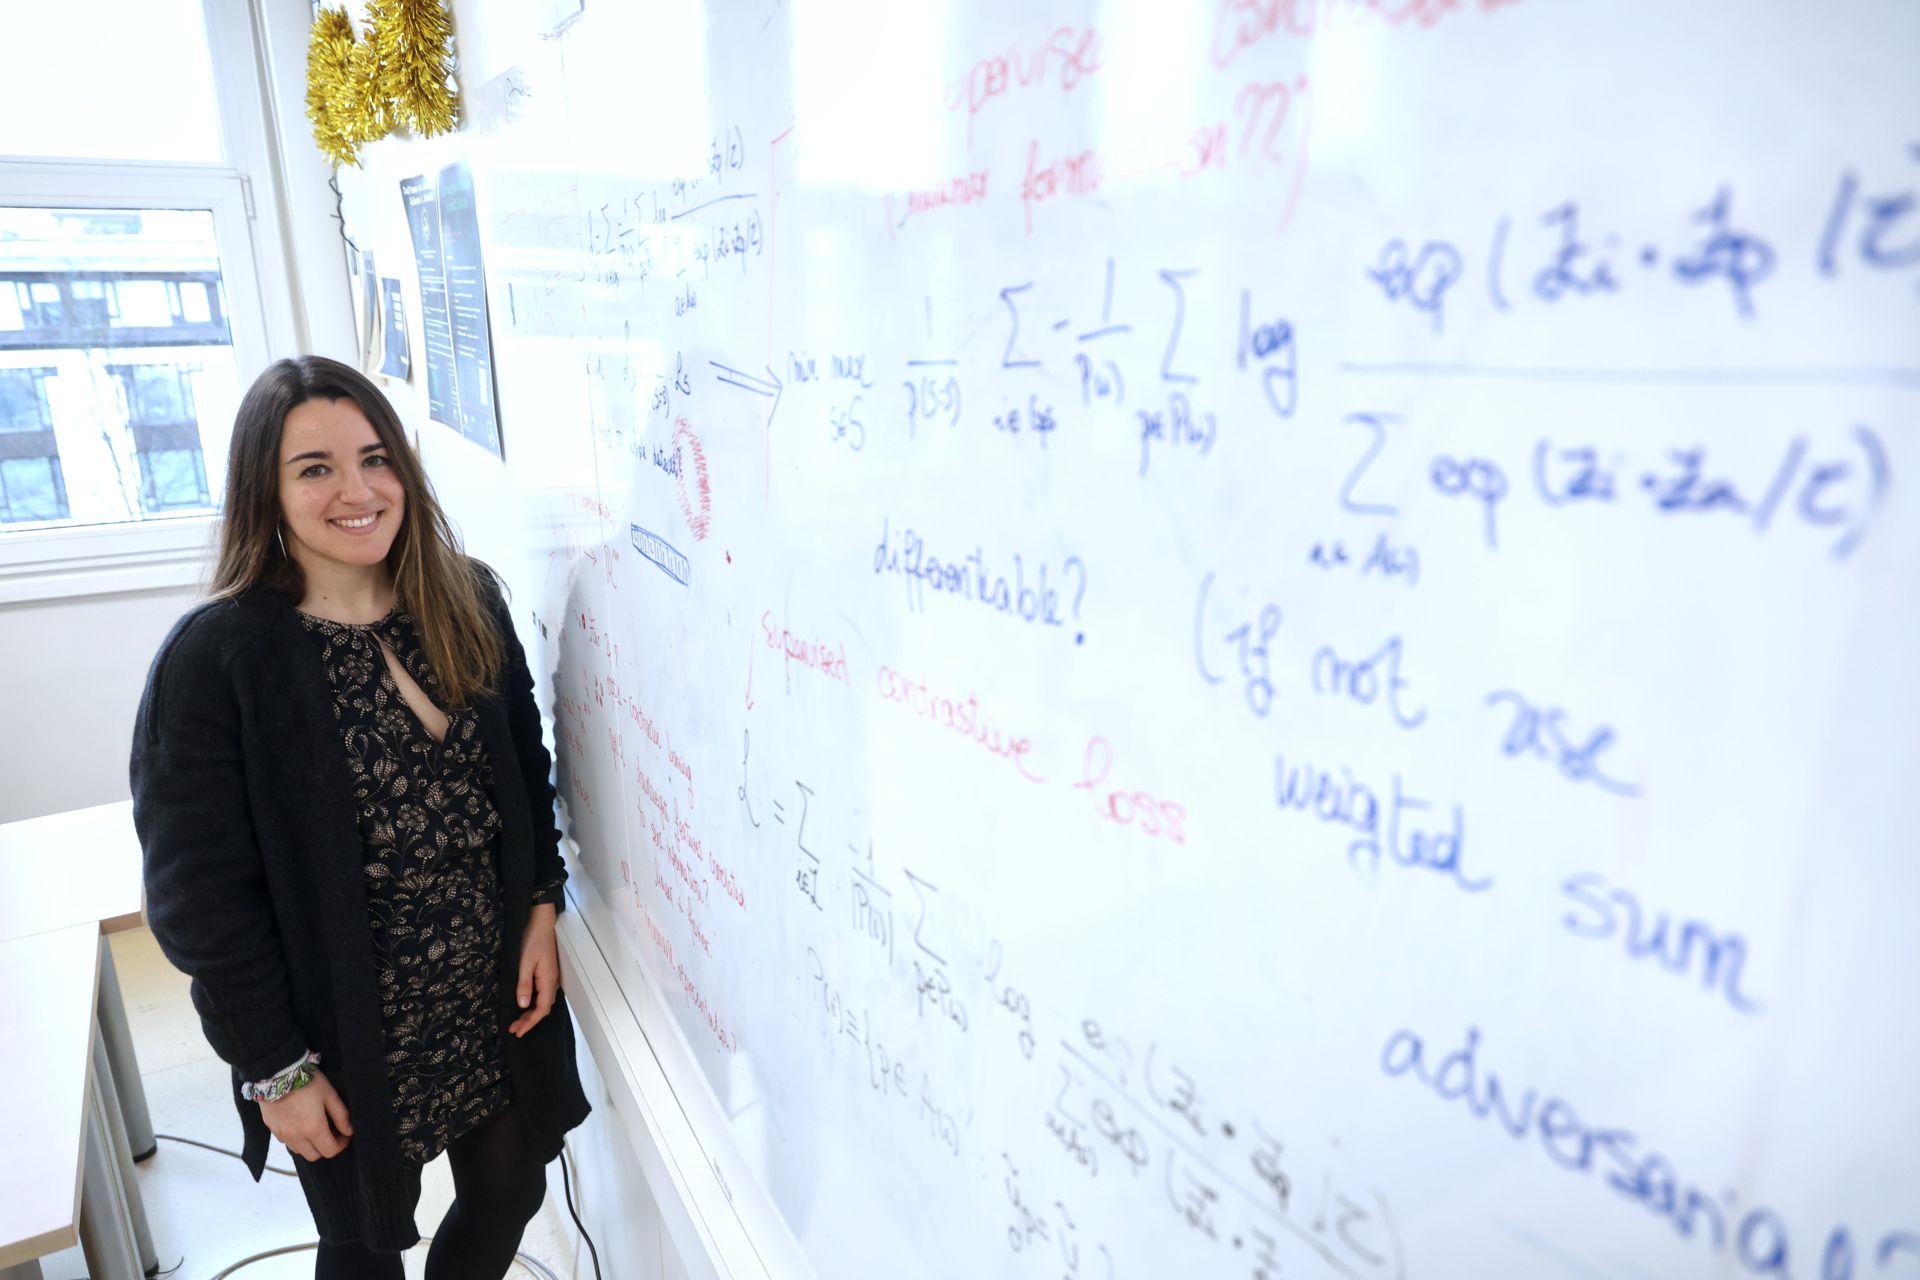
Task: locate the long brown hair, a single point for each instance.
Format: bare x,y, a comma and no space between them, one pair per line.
431,576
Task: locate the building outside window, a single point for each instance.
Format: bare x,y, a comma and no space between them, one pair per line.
125,321
87,303
166,435
31,486
40,304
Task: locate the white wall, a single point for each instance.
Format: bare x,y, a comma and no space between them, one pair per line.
70,682
303,207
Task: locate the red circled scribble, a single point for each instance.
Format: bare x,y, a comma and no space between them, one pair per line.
695,504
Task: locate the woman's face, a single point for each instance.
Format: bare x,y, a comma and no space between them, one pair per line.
339,494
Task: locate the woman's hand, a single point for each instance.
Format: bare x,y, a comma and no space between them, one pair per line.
539,968
311,1121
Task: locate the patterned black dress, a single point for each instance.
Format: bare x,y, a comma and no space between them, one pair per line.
428,827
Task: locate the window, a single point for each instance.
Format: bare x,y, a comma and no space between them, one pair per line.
140,287
142,304
110,79
88,304
158,395
31,485
122,309
165,430
31,489
196,306
73,276
40,304
23,400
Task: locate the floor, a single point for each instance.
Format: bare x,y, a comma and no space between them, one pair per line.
206,1213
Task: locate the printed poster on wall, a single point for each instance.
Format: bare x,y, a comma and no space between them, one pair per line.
399,352
423,219
467,301
369,310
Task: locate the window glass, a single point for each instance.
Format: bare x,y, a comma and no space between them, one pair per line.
43,305
23,403
194,307
173,479
143,303
119,382
89,303
30,489
142,90
157,394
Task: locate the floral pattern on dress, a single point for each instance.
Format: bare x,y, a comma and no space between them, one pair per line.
428,828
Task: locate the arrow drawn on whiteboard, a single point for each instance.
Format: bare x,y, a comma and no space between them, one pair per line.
747,382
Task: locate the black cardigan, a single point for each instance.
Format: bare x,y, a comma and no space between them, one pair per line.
243,799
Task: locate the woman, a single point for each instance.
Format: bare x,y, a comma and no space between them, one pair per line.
349,839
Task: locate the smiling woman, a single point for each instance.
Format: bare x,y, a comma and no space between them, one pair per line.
317,449
342,499
342,796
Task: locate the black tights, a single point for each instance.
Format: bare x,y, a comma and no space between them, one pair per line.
497,1188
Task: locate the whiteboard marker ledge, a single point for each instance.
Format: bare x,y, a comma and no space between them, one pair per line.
719,1219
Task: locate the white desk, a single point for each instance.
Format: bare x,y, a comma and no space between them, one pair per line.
81,869
56,1128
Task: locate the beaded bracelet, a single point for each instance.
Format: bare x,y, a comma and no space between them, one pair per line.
279,1086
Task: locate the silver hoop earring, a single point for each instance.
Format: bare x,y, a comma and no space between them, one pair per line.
283,543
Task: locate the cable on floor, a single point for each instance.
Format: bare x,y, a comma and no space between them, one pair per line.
566,1184
532,1264
208,1146
158,1275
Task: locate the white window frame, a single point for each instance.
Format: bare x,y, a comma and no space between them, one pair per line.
242,194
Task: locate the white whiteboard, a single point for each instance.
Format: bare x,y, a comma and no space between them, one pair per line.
1256,640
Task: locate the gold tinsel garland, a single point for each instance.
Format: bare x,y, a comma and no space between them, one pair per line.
337,126
413,44
401,75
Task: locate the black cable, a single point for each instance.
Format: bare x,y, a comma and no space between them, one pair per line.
566,1185
208,1146
340,209
528,1261
158,1275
